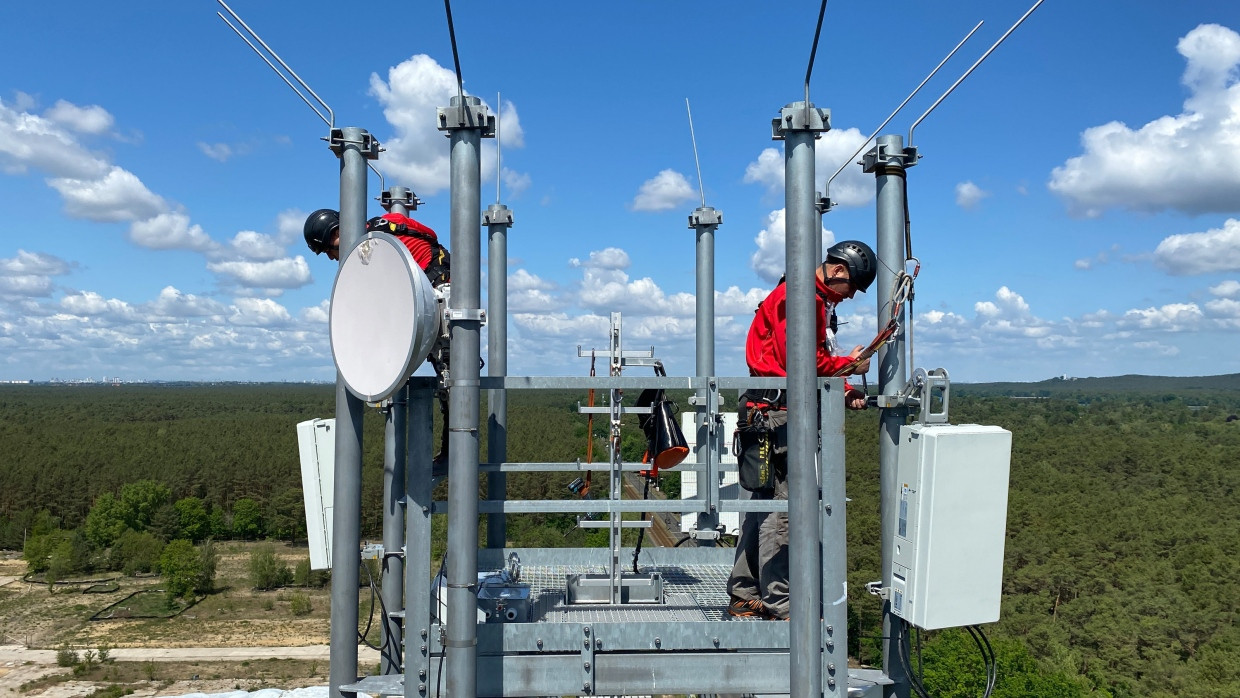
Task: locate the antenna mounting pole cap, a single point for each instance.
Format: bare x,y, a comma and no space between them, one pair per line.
472,115
795,117
705,217
367,143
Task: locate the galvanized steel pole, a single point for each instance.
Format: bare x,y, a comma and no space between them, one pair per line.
466,124
353,146
498,219
888,161
395,439
798,125
705,221
418,534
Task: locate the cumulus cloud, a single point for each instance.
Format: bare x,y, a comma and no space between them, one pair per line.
665,191
1173,317
969,195
173,305
851,187
28,140
1183,162
254,246
260,312
30,274
117,196
93,120
1227,289
170,231
609,258
284,273
769,260
1217,249
418,155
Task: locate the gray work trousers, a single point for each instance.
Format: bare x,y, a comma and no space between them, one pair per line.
761,568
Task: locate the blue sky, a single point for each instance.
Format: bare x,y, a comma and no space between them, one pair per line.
1076,210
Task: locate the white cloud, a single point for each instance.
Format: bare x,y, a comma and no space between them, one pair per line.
91,304
1227,289
253,246
1184,162
258,312
284,273
92,120
666,191
1215,250
969,195
1173,317
28,140
417,155
516,183
769,260
609,258
527,293
173,305
216,151
851,187
170,231
30,274
117,196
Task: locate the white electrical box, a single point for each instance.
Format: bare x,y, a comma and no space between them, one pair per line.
316,443
951,520
730,487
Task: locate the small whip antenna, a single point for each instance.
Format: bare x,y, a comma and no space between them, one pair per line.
970,70
827,188
696,162
499,151
330,120
812,52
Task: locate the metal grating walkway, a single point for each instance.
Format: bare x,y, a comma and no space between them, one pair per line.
691,593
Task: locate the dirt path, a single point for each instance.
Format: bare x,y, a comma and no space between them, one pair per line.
19,665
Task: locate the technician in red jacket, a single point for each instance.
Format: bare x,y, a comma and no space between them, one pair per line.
758,585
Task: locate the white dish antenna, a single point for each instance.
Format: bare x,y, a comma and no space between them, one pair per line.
384,317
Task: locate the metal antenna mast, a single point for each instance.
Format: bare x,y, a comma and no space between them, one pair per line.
970,70
827,188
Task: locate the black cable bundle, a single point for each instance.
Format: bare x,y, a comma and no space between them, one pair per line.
390,644
979,638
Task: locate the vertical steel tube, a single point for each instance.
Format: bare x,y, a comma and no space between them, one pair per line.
418,542
889,171
347,493
498,219
801,259
465,325
705,221
834,543
392,574
395,451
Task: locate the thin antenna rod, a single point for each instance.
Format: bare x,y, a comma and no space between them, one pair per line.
970,70
912,94
696,162
456,60
813,51
374,169
499,150
331,122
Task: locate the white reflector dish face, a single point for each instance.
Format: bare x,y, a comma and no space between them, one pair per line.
384,317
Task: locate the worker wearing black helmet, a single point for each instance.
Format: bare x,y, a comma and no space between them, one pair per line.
758,585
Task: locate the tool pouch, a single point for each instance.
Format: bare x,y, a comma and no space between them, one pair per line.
761,448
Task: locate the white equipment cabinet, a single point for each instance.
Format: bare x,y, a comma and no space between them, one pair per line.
316,443
947,563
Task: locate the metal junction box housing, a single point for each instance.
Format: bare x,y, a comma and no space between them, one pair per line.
947,563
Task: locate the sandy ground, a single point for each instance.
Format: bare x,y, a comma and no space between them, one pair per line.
19,665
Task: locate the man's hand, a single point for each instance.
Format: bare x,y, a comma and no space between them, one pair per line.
854,399
864,366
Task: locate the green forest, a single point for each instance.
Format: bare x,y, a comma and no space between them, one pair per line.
1123,543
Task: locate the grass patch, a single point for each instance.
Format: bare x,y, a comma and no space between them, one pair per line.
151,603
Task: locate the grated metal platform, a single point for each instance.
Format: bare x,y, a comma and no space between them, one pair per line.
691,593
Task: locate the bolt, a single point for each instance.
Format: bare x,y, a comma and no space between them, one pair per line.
586,630
423,649
831,667
587,666
421,673
657,642
716,641
586,687
422,687
540,643
598,644
585,644
831,683
830,628
423,633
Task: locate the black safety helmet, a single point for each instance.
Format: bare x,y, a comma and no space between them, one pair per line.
319,228
860,260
